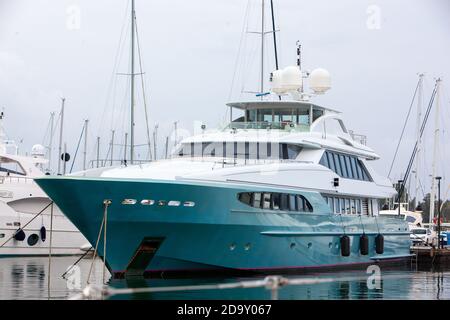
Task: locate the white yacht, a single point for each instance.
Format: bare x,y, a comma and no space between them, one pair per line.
283,187
21,199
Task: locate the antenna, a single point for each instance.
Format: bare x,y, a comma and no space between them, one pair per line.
262,47
299,54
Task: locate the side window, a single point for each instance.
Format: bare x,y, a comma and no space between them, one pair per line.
352,206
275,205
331,161
343,165
324,160
349,167
292,203
245,197
284,201
266,201
256,200
337,164
276,201
303,204
359,171
337,205
365,174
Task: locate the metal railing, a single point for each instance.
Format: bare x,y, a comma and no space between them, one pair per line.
269,125
101,163
360,138
15,179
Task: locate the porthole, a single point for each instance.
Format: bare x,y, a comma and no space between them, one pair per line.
129,201
247,246
2,235
189,204
330,245
147,202
173,203
161,203
232,246
292,245
32,239
309,245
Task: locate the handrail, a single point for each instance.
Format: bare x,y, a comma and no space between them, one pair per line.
11,179
285,125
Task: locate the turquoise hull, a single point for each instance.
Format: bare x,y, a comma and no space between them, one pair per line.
219,232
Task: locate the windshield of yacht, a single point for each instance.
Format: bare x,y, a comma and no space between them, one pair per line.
239,150
10,166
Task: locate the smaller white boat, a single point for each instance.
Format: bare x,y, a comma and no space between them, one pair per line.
21,199
414,218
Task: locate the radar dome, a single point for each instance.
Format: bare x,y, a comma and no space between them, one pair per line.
38,151
292,79
320,81
277,81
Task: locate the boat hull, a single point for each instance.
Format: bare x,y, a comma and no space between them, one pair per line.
219,232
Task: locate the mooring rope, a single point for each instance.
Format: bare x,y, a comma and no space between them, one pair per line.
106,204
342,223
105,217
362,225
95,250
50,252
21,228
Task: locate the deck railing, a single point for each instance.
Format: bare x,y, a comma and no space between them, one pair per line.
269,125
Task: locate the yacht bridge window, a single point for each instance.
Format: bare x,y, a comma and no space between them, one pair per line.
346,166
240,150
289,115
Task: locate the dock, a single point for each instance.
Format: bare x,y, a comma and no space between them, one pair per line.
427,255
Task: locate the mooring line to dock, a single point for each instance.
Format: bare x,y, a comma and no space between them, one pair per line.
106,204
21,228
95,250
50,253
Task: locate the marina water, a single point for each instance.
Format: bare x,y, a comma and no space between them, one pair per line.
26,278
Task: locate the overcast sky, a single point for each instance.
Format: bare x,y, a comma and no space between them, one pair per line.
74,49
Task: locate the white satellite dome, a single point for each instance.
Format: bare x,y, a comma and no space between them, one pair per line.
292,79
320,81
38,150
277,82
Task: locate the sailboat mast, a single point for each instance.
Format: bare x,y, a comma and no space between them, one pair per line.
262,47
418,139
86,124
50,146
132,83
61,130
435,150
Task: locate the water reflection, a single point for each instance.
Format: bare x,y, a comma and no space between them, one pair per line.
26,278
